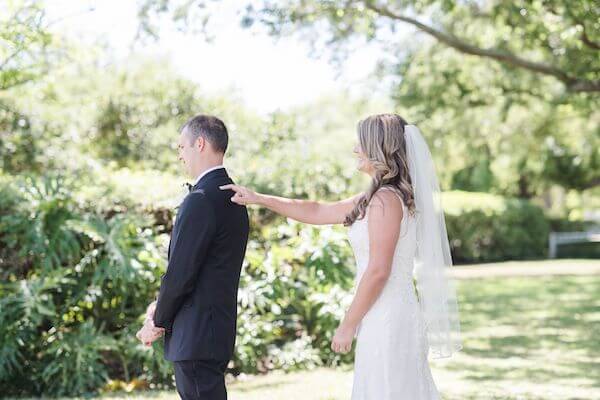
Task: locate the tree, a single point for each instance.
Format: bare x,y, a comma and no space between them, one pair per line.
497,124
515,80
549,37
27,51
24,43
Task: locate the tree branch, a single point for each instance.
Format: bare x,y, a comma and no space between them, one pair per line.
584,36
573,84
586,39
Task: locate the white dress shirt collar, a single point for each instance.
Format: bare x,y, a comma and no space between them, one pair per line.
206,172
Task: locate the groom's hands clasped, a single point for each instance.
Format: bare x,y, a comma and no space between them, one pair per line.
149,333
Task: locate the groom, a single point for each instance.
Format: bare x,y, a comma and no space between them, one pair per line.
197,304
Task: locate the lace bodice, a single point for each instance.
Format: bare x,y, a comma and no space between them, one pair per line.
403,262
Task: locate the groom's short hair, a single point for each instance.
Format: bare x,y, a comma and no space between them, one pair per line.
210,128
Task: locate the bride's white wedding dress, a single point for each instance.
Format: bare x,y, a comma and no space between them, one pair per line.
391,343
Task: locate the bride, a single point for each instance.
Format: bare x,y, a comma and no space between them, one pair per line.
396,230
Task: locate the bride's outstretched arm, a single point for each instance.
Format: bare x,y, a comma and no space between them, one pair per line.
307,211
385,214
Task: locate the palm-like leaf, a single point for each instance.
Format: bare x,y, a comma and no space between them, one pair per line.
37,231
118,242
24,306
74,360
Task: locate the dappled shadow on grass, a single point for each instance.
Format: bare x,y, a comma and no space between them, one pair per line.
530,329
527,374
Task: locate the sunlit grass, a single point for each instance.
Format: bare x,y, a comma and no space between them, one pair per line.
526,338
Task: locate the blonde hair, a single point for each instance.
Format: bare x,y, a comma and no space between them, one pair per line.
381,138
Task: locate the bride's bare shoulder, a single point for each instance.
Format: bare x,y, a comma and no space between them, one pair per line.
388,200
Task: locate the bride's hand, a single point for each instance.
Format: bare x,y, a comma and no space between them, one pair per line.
242,194
342,340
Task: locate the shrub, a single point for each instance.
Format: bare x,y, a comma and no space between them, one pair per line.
74,285
484,227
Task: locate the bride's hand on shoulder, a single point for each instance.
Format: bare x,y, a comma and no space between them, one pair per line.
242,195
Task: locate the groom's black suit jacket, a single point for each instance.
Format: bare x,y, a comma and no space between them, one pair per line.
197,303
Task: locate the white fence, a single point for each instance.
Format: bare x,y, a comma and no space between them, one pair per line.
558,238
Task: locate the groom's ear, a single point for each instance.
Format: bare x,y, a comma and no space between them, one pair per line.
200,143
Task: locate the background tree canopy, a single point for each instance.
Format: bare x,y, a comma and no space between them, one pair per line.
495,77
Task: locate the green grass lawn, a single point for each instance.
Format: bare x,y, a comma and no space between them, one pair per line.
525,338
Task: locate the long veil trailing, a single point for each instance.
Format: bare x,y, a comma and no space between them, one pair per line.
437,295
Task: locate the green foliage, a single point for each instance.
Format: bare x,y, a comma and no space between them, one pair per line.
484,227
18,146
73,283
556,38
24,42
477,177
503,80
573,165
94,271
484,121
42,237
73,360
70,309
138,112
294,291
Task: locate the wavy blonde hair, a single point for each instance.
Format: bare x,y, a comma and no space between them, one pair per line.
381,138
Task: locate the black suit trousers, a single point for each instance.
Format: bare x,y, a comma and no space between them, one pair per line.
201,379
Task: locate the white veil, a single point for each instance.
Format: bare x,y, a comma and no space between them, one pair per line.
437,295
